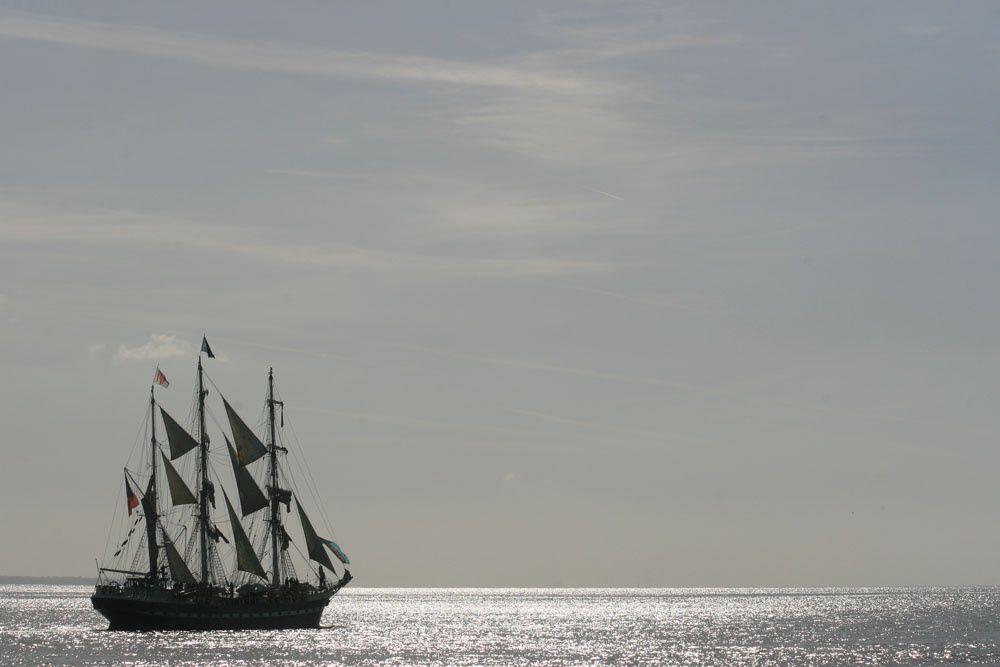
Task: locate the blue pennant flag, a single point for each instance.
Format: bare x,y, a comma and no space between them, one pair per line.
206,349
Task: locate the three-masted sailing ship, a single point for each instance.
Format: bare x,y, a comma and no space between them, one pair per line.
173,574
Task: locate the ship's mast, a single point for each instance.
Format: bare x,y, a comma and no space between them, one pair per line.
203,465
151,508
273,464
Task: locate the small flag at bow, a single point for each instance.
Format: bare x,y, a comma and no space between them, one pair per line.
205,348
131,499
160,378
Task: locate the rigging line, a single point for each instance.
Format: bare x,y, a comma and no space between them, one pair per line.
139,436
208,412
314,493
314,490
138,553
309,565
114,518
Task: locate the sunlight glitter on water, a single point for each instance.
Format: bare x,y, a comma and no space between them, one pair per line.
55,625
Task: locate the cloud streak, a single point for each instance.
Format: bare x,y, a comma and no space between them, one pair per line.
317,61
30,224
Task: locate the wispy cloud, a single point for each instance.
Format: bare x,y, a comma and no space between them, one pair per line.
318,61
159,346
496,213
20,222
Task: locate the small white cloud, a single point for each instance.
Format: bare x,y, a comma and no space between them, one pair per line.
509,476
159,346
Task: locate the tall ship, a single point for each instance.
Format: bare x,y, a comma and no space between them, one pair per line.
191,562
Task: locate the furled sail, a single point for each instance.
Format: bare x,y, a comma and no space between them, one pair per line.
179,570
249,448
148,502
251,497
180,440
149,512
180,494
246,558
283,496
314,544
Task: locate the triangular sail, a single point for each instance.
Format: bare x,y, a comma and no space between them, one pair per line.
246,558
251,497
314,545
249,448
181,442
179,570
180,494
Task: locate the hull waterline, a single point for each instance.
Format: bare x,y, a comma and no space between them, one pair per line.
163,613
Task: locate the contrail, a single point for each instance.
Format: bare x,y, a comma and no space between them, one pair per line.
646,381
602,192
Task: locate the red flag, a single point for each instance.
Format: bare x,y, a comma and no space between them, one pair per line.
131,499
160,378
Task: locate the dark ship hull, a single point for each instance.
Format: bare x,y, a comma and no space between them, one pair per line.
161,609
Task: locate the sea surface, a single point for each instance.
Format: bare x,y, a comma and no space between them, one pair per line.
55,625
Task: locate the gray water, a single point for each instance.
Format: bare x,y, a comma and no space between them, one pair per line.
43,625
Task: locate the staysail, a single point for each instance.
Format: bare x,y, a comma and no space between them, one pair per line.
314,544
246,557
251,497
179,570
180,440
180,494
249,448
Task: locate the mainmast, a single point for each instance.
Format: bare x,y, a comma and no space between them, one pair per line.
150,506
203,466
275,519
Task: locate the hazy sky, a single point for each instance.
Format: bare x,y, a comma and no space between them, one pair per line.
560,293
